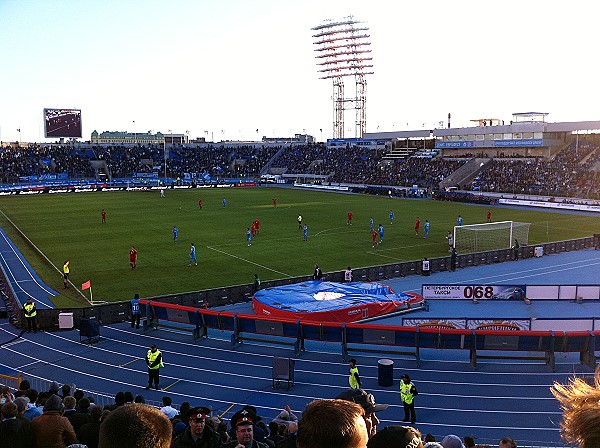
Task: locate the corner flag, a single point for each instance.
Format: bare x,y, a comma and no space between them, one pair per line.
86,285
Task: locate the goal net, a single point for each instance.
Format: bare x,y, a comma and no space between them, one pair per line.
490,236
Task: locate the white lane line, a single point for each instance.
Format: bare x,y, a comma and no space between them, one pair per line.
248,261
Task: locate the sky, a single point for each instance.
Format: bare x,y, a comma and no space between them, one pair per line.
225,68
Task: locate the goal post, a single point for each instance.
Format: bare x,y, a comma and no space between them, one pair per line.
490,236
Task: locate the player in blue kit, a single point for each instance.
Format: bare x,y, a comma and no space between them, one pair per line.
381,231
224,202
426,229
372,224
459,221
175,233
391,217
249,236
305,232
193,256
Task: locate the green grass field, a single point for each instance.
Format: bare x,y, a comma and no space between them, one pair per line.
68,226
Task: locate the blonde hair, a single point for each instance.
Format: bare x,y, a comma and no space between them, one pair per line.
580,403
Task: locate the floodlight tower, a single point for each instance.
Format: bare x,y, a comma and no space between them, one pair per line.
342,51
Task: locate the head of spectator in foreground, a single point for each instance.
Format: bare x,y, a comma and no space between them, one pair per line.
83,405
135,426
197,420
32,394
397,437
292,428
9,410
69,403
128,397
21,403
78,394
367,401
243,421
332,423
452,441
579,400
508,442
96,413
53,404
65,390
23,386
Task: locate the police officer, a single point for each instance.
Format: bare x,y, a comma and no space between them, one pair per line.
243,421
198,434
154,363
30,316
354,378
407,395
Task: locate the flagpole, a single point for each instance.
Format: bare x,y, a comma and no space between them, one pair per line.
91,295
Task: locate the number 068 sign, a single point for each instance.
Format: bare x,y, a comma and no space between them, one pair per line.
470,292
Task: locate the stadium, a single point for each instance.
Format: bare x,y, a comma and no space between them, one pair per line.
465,257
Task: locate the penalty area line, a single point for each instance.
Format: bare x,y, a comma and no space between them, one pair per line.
247,261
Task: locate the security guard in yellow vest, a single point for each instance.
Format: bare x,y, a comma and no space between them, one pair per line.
30,316
154,363
66,271
407,394
354,379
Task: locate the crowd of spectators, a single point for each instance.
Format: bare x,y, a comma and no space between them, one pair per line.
64,417
564,175
570,173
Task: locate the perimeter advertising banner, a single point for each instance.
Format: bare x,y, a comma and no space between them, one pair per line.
470,292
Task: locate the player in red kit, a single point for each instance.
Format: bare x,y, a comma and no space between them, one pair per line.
133,258
257,225
489,215
275,202
200,203
350,216
417,225
103,216
374,236
253,229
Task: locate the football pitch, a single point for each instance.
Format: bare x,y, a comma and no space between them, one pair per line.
68,227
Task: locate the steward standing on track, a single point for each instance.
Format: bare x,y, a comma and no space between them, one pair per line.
154,363
66,271
407,395
354,378
30,315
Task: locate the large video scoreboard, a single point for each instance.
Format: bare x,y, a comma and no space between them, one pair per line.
62,123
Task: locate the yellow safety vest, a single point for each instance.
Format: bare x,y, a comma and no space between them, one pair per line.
405,392
352,380
152,357
66,268
28,309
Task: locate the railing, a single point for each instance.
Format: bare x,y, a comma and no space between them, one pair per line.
355,337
